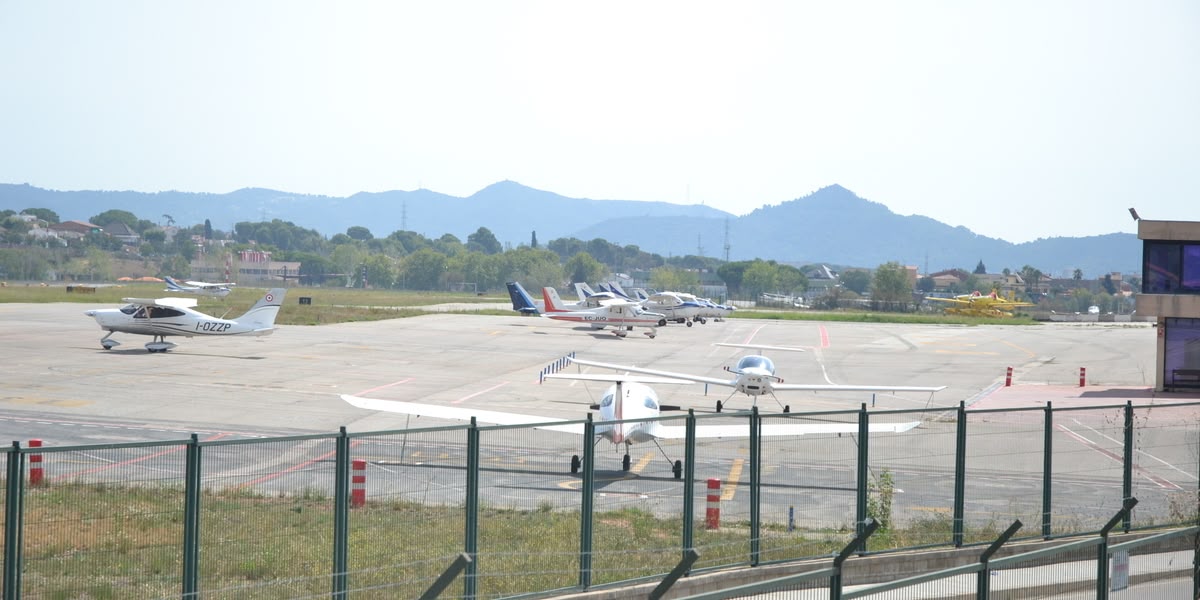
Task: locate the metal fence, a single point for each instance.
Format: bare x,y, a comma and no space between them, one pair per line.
385,514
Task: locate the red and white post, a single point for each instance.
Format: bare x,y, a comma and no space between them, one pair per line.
358,483
36,475
1082,376
1008,378
712,515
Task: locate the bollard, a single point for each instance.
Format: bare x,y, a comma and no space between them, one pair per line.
1082,376
712,515
36,475
791,518
358,483
1008,378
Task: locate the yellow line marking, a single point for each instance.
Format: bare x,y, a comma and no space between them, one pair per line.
641,464
964,352
1022,349
735,471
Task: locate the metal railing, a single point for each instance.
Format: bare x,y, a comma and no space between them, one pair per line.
277,518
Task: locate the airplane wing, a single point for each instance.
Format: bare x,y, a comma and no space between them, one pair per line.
613,378
209,285
948,300
657,373
855,388
462,414
774,429
164,302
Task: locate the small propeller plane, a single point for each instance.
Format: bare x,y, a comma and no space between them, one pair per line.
755,376
164,317
976,304
621,315
216,290
630,398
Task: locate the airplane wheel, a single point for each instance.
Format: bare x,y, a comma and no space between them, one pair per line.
689,323
677,469
718,406
787,408
662,322
703,321
625,463
575,464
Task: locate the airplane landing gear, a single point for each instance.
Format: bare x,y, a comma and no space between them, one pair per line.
677,469
107,343
160,344
575,464
689,323
625,463
719,405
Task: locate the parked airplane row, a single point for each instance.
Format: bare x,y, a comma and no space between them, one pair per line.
613,308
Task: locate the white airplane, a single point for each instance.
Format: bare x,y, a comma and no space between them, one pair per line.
755,376
216,290
675,307
621,315
164,317
629,398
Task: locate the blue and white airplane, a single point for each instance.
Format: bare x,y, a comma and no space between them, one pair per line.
200,288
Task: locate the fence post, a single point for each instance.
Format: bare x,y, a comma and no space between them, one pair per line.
471,536
860,540
689,481
587,504
191,520
755,483
1047,468
860,508
14,513
1102,550
1082,376
1127,463
36,474
341,515
983,578
960,475
1008,377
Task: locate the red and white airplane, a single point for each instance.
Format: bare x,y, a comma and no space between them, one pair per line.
623,409
621,315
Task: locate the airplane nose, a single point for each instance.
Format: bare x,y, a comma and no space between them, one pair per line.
90,313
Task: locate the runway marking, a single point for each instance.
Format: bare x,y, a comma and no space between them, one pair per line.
967,352
1143,452
1155,479
824,336
465,398
295,467
132,460
735,471
376,389
1021,348
641,464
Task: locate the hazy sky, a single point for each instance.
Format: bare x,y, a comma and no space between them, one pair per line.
1015,119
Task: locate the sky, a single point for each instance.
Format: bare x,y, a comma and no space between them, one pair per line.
1018,120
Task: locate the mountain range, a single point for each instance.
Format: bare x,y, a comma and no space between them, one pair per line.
831,225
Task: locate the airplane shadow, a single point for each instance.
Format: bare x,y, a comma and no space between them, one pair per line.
144,352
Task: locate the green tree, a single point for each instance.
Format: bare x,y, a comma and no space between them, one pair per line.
44,214
1032,277
347,259
791,280
381,271
925,284
1109,285
359,233
674,279
733,273
583,268
1077,275
208,230
484,241
890,283
760,277
980,269
423,269
111,216
533,241
855,280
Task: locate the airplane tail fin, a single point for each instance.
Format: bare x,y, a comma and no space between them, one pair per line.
582,291
552,301
618,290
172,285
521,300
262,314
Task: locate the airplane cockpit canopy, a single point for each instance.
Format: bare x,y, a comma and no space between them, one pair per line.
756,361
606,401
129,309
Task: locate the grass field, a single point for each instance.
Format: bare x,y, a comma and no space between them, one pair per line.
340,305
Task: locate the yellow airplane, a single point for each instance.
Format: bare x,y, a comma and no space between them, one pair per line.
976,304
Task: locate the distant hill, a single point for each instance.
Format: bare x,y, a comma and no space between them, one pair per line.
831,225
